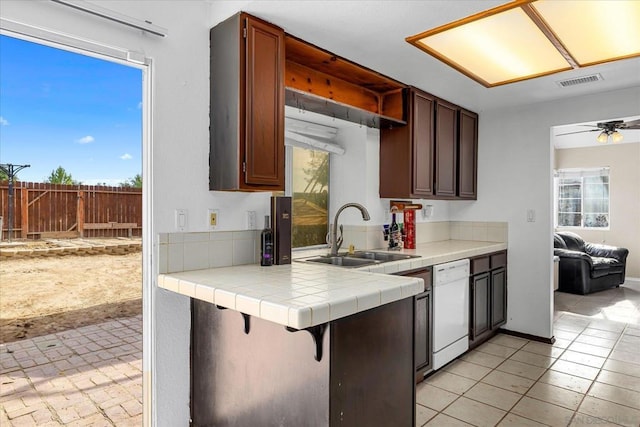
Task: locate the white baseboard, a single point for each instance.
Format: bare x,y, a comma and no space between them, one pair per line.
632,279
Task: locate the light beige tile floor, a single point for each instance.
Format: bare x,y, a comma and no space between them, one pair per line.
589,376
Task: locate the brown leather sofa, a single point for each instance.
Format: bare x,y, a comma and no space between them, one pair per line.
587,267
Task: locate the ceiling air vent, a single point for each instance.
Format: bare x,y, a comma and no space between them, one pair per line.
580,80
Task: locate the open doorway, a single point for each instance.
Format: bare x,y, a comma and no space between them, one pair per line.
596,197
74,245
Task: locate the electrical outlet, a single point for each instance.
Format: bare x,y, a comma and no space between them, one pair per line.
427,211
212,218
252,220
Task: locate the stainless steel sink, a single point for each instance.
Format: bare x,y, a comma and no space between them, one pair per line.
359,258
342,261
381,256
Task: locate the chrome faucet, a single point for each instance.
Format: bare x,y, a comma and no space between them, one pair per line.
335,244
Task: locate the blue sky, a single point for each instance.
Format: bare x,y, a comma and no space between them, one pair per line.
59,108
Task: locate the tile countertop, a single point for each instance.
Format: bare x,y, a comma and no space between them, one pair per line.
303,294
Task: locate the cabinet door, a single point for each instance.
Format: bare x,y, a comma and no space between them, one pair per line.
467,154
480,299
264,105
422,128
498,297
370,360
422,344
445,149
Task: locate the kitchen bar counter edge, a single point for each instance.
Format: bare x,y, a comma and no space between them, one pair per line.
301,295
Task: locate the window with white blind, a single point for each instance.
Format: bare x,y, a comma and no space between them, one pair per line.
582,198
307,156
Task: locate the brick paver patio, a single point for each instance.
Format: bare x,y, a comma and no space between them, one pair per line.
90,376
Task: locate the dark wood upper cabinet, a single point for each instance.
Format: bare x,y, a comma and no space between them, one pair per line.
247,105
406,152
422,123
434,156
264,144
256,69
467,154
446,140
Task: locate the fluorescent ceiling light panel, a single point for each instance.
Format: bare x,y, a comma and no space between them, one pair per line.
499,48
594,31
524,39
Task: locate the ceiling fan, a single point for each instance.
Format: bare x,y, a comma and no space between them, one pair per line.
609,129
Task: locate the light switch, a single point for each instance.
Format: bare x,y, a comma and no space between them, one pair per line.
252,220
181,219
531,215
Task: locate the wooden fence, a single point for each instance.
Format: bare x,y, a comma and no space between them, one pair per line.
42,210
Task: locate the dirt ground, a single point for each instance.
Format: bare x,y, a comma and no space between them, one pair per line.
43,295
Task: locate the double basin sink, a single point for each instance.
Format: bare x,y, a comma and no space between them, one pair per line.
359,258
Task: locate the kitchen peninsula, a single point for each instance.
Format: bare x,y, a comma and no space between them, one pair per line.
307,344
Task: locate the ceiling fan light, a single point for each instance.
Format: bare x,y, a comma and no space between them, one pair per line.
616,136
603,137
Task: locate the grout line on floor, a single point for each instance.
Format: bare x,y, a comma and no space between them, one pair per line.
547,369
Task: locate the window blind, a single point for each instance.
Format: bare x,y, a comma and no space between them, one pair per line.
580,173
312,136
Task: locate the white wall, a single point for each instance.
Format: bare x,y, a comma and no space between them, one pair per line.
515,174
624,193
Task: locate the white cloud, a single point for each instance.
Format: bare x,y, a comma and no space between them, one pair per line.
126,156
140,105
85,140
3,121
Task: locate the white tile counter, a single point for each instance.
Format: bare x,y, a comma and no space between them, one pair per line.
299,295
303,294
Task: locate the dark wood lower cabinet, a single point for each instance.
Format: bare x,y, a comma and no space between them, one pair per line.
498,297
480,305
422,350
269,377
488,290
371,381
422,324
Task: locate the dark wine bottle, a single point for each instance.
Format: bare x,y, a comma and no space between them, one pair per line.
394,231
266,244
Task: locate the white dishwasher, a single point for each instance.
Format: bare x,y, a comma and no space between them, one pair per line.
450,311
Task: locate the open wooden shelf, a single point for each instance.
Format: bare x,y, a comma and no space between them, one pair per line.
319,81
